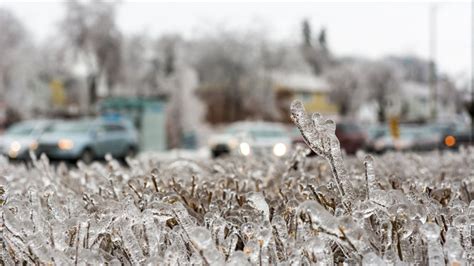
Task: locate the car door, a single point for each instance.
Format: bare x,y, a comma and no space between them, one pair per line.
106,139
120,137
112,139
101,140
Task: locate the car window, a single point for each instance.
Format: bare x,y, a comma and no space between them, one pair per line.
268,133
114,128
22,129
70,127
348,128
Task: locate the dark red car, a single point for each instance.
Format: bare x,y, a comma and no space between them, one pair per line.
351,137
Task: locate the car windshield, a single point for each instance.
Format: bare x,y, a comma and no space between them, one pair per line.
266,133
349,128
377,132
71,127
410,133
256,132
22,129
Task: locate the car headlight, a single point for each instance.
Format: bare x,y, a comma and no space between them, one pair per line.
34,145
65,144
279,149
244,148
15,146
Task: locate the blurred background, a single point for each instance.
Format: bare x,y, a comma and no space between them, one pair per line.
80,79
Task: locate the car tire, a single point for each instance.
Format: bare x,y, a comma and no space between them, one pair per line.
131,152
87,156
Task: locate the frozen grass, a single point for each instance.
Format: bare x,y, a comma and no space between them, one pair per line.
410,208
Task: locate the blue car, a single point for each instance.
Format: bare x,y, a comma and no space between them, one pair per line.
89,139
20,138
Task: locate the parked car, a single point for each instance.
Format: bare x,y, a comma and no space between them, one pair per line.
20,138
456,138
412,137
89,139
351,137
251,138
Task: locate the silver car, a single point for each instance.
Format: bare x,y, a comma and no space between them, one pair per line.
89,139
251,138
22,137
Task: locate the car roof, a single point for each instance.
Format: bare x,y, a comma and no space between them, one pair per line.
35,122
97,120
256,126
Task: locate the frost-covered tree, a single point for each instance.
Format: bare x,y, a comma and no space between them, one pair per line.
12,44
412,68
316,53
180,81
449,96
346,87
141,66
383,82
90,29
231,67
18,66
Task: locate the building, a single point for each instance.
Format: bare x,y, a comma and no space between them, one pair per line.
147,114
312,90
416,101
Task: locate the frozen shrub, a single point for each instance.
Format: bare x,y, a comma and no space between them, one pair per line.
390,209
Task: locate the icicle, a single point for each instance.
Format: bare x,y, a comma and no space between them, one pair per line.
453,250
152,234
39,249
130,242
320,217
371,259
238,259
257,201
370,176
182,216
431,232
201,239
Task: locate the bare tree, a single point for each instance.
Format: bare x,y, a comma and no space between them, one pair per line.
224,62
12,42
412,68
317,54
449,96
346,87
18,68
383,82
91,30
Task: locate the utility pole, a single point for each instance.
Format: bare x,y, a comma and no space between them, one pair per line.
433,75
472,70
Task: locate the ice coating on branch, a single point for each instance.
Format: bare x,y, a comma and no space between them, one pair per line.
238,259
372,259
321,137
409,209
453,249
201,239
431,231
370,176
257,200
319,216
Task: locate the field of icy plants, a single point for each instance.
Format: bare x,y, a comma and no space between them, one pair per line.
329,209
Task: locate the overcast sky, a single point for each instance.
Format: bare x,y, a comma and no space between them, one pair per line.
354,28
